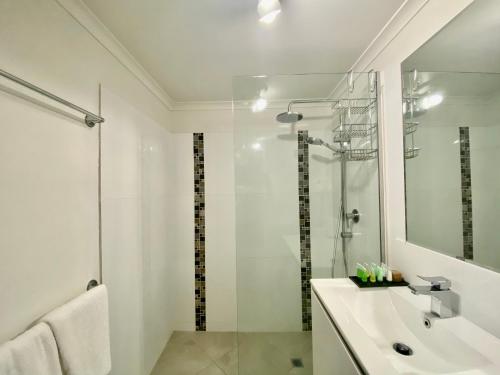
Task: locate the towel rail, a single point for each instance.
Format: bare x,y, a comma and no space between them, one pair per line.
90,119
92,284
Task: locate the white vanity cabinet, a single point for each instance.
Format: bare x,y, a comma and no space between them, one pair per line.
330,356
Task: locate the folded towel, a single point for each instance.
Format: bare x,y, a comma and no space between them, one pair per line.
32,353
81,329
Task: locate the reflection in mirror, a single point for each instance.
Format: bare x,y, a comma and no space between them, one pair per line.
452,138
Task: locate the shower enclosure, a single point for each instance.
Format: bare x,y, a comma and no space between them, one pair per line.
307,204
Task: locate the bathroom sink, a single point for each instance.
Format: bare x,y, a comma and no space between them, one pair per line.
371,321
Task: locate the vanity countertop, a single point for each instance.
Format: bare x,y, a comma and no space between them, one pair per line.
372,320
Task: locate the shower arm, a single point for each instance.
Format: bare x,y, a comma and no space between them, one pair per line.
310,101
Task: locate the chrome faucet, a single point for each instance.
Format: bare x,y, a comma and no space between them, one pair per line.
442,297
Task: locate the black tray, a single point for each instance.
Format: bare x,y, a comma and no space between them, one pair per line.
377,284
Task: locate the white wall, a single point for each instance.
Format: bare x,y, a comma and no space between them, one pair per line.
433,190
220,232
49,192
433,179
183,258
48,221
266,224
138,204
479,300
485,157
217,125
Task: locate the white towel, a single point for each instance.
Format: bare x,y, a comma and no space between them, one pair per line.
32,353
81,329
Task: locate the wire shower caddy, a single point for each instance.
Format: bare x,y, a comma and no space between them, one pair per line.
357,129
410,126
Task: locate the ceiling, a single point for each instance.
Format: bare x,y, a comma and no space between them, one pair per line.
469,43
193,48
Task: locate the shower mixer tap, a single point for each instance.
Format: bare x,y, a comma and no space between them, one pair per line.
354,216
350,218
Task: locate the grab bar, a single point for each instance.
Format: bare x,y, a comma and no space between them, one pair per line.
90,119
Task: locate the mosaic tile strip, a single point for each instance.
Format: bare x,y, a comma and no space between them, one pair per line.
465,172
305,229
199,231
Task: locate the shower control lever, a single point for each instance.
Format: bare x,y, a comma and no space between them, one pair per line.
346,234
354,216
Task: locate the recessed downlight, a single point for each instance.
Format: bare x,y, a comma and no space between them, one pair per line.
431,101
259,105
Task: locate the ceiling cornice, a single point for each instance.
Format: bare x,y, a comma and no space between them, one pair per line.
88,20
85,17
203,106
406,12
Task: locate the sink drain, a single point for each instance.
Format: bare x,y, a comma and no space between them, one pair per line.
402,349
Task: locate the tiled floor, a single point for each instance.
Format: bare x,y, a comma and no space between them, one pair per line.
218,353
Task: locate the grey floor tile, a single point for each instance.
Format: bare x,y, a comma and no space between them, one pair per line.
229,362
213,369
216,344
229,353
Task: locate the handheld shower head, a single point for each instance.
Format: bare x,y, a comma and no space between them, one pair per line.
315,141
289,117
319,142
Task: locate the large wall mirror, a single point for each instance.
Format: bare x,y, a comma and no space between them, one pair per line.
451,112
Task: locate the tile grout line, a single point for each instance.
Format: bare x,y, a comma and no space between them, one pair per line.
199,231
212,359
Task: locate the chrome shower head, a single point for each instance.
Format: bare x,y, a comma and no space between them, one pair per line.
289,117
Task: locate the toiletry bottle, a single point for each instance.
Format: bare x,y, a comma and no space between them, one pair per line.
384,271
380,273
397,276
362,272
376,271
389,275
368,271
373,276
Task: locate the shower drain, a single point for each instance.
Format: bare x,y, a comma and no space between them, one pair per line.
297,362
402,349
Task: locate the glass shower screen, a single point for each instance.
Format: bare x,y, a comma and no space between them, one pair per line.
299,176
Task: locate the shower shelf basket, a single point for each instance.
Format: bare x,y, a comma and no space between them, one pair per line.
411,127
357,121
412,152
358,106
361,154
350,131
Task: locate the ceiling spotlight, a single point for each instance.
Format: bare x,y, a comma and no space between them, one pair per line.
259,105
268,10
431,101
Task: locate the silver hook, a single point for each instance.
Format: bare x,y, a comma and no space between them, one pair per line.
372,78
350,81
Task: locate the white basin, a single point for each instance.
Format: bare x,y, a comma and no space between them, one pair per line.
372,320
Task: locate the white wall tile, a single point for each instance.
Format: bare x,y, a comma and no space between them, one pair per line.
219,163
183,256
49,217
269,294
220,262
135,210
122,273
